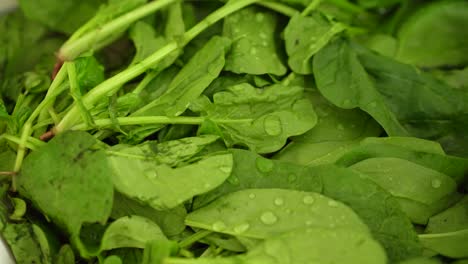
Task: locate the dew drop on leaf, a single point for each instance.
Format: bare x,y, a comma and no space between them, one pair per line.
252,196
239,229
218,226
272,125
308,199
264,165
151,174
292,178
436,183
340,127
233,180
259,17
332,204
268,218
279,201
225,169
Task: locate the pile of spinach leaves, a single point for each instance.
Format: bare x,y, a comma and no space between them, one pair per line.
240,131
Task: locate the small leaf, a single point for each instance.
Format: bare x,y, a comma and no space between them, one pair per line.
69,181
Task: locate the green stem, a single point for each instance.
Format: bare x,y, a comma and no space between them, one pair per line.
113,84
194,238
280,8
27,127
30,144
74,47
155,120
146,80
311,7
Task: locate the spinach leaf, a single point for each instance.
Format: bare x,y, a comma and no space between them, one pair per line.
154,182
133,232
262,213
447,232
406,179
261,119
434,35
343,81
376,207
425,107
192,79
170,221
255,48
306,35
77,189
300,246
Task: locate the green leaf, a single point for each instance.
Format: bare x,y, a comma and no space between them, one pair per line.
327,246
255,48
342,80
157,251
23,243
89,72
163,187
426,107
65,255
435,35
191,81
376,207
407,179
262,213
63,16
306,35
171,221
133,231
447,232
261,119
145,39
77,189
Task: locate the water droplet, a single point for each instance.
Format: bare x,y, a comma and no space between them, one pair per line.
288,211
268,218
308,199
272,125
151,174
347,103
340,127
292,178
332,225
259,17
241,228
252,196
264,165
332,204
262,35
373,104
253,51
218,226
207,185
309,222
233,180
264,43
436,183
225,169
279,201
236,30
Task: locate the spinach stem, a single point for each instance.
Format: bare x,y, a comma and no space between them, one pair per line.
154,120
27,127
280,8
194,238
30,144
113,84
76,46
311,7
